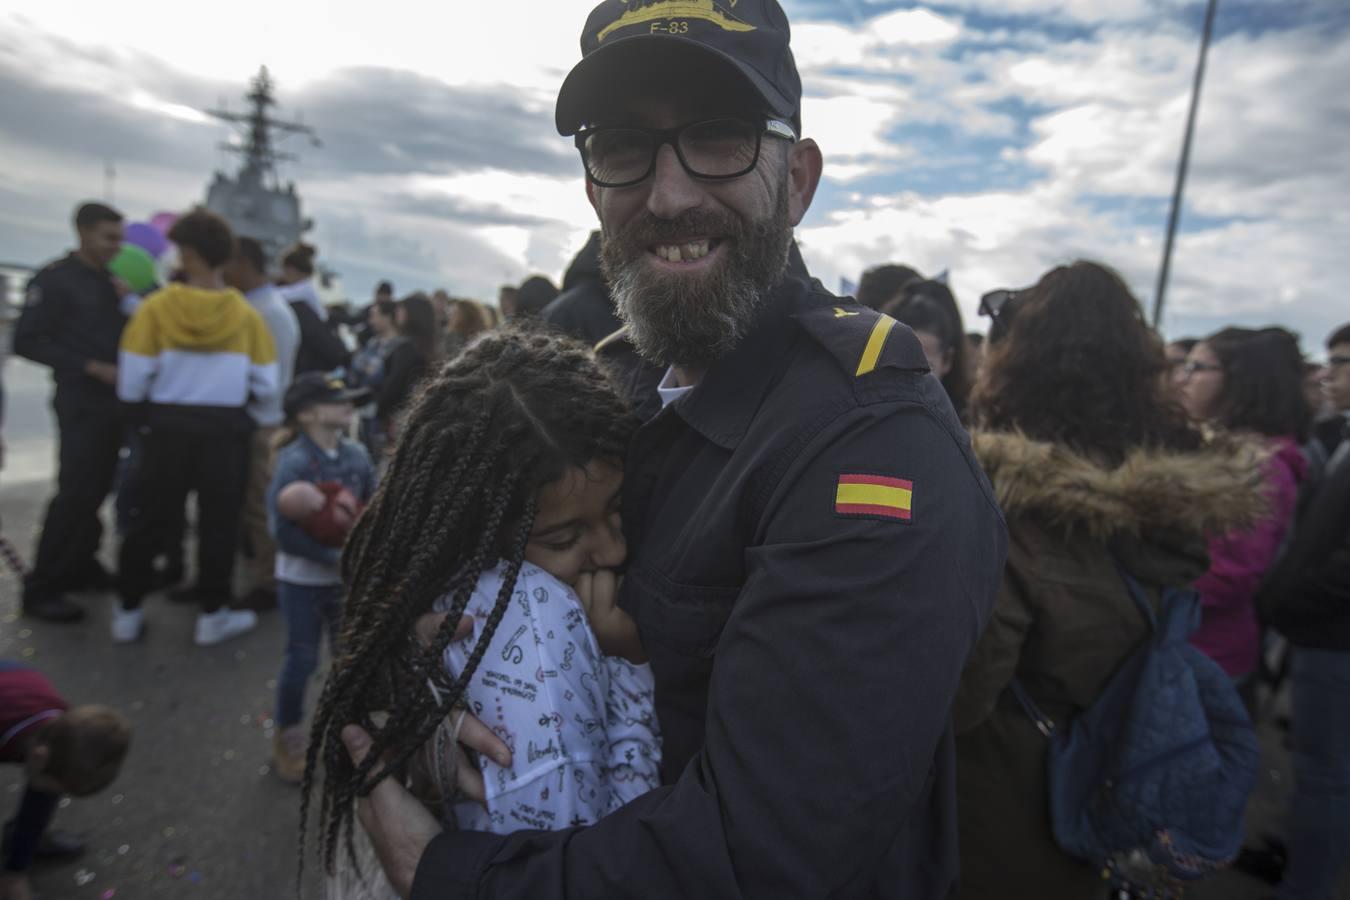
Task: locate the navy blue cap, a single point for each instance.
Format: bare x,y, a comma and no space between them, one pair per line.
751,35
312,388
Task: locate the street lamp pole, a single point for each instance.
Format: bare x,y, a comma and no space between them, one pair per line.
1183,165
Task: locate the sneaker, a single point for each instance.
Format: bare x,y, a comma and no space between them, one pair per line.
288,754
126,623
223,624
52,608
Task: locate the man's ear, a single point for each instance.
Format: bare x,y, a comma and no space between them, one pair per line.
590,195
804,165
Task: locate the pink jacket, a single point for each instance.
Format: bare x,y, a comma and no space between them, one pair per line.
1229,633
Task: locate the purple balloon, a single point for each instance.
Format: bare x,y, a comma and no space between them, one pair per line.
146,237
163,221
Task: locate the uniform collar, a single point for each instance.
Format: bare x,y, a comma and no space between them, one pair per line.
730,394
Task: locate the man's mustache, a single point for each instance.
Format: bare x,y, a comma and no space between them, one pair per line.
650,229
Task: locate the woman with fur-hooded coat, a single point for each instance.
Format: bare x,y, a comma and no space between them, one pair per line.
1094,468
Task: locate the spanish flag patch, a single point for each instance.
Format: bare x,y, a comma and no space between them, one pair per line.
873,496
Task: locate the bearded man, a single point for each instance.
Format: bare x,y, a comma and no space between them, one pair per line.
813,550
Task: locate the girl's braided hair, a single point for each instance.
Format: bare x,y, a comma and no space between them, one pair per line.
512,413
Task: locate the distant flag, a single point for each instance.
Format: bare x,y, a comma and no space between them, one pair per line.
847,288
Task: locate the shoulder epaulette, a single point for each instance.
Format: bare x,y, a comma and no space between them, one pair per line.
864,340
612,342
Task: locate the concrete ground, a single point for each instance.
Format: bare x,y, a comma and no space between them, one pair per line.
196,811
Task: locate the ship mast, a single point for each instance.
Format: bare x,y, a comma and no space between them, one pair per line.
259,147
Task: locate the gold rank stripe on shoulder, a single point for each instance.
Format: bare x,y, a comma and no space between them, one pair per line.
875,342
609,341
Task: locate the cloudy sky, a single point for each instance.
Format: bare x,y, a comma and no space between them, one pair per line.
992,138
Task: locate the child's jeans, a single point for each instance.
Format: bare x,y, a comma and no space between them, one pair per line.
307,610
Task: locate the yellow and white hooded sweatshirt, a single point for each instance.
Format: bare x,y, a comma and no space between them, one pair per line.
197,357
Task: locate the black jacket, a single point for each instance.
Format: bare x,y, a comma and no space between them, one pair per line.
1307,594
71,315
806,647
404,368
584,309
321,350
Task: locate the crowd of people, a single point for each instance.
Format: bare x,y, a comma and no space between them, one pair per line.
729,586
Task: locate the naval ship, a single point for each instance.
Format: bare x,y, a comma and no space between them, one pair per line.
254,201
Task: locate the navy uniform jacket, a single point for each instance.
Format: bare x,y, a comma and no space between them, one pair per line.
71,315
807,616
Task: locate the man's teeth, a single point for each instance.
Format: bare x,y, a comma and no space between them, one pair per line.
683,252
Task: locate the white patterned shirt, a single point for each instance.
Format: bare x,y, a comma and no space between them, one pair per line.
581,726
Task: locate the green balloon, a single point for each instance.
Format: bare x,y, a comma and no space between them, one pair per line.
134,266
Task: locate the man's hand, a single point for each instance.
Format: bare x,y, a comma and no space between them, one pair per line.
15,886
473,734
399,826
104,372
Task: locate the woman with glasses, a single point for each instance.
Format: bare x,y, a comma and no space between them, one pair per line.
1250,382
1096,469
930,310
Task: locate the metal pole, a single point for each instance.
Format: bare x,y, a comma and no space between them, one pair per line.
1183,165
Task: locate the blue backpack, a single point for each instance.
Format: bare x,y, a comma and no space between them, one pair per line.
1150,783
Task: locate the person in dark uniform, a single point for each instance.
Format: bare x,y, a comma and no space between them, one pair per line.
813,549
71,322
584,310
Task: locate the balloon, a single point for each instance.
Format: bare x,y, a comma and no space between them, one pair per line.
134,266
163,221
147,238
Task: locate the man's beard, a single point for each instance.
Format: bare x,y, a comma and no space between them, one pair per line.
695,319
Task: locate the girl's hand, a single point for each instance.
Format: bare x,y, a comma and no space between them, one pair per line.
615,630
473,734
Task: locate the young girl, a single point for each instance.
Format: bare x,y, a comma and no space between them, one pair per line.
501,498
313,453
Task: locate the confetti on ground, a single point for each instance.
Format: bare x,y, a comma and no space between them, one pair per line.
244,719
25,634
27,652
124,850
116,799
108,894
65,801
168,832
195,878
83,877
176,870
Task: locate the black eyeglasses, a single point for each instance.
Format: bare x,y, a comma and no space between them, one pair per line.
1337,361
992,303
714,149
